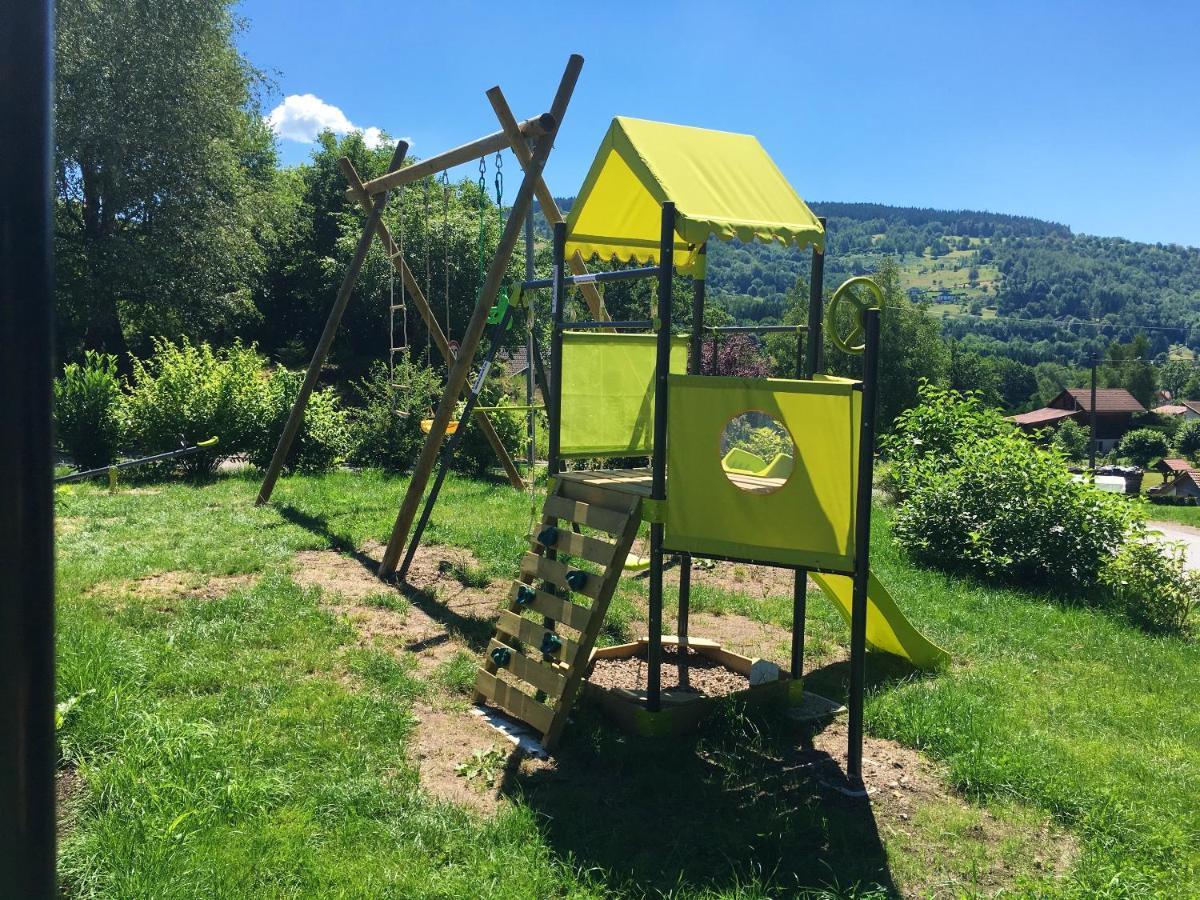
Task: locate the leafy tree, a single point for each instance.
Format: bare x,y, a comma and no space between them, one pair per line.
1187,439
1143,445
162,168
1174,376
1126,366
1016,381
88,411
972,373
1072,440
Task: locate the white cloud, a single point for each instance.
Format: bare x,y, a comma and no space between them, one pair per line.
301,117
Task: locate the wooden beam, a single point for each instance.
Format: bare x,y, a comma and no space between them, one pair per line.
331,326
461,370
550,209
431,322
546,123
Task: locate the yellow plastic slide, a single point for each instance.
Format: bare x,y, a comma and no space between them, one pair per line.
888,631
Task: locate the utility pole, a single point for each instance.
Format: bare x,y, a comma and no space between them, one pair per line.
1092,442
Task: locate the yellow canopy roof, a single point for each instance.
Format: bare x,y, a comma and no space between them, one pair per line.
723,184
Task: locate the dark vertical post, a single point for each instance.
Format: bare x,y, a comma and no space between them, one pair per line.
658,462
695,359
816,311
532,421
27,747
558,299
800,579
1092,417
862,548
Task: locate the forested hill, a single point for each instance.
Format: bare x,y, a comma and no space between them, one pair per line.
1013,285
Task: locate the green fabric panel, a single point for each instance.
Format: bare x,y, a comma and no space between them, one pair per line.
608,392
807,521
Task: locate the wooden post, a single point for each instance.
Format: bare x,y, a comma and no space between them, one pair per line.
546,123
326,341
461,369
549,205
431,322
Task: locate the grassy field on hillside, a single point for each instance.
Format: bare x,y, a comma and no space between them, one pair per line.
234,729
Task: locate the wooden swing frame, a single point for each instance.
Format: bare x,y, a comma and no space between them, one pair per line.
372,196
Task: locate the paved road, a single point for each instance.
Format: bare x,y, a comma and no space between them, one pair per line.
1190,536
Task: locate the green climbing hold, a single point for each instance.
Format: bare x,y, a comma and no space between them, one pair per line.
551,644
577,579
526,595
548,536
496,313
501,656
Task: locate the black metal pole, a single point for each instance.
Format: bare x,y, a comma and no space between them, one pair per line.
658,462
862,548
697,339
816,311
27,745
558,299
451,446
800,578
1092,417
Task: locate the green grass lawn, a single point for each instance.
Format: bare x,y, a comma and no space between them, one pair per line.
244,743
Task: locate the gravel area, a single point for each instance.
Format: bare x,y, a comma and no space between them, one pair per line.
706,677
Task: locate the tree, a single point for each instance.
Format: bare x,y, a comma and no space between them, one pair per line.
1175,374
1187,439
1017,382
972,373
162,166
1072,439
1143,445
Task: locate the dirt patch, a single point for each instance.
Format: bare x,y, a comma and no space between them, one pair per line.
433,616
706,677
175,586
735,578
68,789
446,741
65,525
736,633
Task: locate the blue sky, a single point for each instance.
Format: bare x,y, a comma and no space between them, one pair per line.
1084,113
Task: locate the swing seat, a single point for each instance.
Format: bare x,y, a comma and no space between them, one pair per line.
427,426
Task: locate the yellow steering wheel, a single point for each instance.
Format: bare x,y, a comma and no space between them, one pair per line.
850,295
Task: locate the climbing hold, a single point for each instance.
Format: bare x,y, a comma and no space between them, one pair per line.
551,644
526,595
577,579
501,656
548,536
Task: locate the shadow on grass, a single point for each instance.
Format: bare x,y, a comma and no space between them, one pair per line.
472,630
750,802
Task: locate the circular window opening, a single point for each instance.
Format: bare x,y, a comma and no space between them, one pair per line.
757,452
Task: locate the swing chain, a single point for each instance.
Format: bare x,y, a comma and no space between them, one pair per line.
499,164
428,270
446,249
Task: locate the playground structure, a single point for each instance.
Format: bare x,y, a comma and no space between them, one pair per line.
655,194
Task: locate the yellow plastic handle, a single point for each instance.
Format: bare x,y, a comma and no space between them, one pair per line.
209,443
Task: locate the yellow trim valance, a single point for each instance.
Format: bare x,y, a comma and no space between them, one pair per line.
724,185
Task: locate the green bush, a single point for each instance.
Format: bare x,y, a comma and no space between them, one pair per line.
186,394
1187,439
325,438
88,410
1143,445
1147,581
387,427
1071,439
996,505
928,438
475,455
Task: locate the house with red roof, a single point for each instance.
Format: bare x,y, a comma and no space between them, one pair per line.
1115,409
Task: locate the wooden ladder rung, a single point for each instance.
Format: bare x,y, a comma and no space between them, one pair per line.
580,545
531,633
516,701
555,572
570,614
539,675
586,514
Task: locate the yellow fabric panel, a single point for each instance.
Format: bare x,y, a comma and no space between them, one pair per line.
608,392
723,185
808,521
888,629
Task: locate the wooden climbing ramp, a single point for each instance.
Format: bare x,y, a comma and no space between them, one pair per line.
535,663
